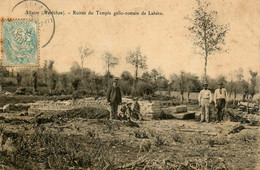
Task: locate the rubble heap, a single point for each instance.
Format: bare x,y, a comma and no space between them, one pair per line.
248,106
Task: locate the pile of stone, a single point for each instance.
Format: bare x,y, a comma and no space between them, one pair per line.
243,117
5,108
180,112
248,107
60,106
149,108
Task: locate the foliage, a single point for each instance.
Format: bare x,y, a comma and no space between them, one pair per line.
35,81
19,79
252,89
111,62
156,80
64,81
75,84
84,52
144,88
159,141
136,59
184,82
126,82
208,37
49,82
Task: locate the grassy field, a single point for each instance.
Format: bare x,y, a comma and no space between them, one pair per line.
75,141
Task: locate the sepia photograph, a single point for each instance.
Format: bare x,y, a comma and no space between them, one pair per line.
130,84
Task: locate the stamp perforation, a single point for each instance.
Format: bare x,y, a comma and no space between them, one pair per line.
2,42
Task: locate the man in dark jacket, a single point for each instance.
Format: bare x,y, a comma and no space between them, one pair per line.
114,98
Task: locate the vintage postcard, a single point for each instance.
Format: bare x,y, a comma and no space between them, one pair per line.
129,84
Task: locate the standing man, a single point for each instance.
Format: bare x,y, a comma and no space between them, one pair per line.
114,98
220,98
205,99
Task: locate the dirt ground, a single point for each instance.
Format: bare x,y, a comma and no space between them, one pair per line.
86,139
81,143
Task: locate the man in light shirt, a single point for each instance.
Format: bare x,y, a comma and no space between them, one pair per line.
220,98
204,100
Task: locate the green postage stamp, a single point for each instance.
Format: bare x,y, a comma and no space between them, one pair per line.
20,42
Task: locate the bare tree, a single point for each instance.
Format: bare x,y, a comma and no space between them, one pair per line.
139,61
207,36
84,52
111,62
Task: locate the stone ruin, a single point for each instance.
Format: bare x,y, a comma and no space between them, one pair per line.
58,106
147,108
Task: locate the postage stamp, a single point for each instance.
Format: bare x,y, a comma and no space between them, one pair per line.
20,42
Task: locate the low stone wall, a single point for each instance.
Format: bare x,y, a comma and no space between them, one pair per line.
67,105
146,107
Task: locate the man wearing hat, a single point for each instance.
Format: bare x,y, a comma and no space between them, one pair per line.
114,98
204,99
220,97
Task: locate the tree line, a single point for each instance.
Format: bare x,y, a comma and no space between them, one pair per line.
83,81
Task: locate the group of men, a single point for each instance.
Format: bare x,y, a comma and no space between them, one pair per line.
114,98
219,98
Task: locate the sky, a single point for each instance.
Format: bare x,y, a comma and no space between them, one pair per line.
163,39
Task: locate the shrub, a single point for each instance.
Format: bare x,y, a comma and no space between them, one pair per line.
177,136
159,141
211,142
141,134
145,146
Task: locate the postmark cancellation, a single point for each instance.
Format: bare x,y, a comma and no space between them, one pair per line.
19,42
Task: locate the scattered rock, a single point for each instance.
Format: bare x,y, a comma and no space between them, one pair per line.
185,116
236,129
141,135
162,115
5,108
176,109
43,120
131,124
24,113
